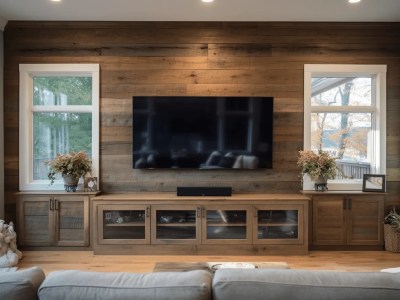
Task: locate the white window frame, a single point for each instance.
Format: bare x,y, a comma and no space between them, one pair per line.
378,108
26,110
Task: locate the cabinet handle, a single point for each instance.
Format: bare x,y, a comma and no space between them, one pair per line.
350,203
203,212
148,212
51,204
199,212
255,212
55,204
345,203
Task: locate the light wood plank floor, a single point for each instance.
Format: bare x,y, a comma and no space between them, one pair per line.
357,261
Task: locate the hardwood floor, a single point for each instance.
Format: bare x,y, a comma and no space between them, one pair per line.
357,261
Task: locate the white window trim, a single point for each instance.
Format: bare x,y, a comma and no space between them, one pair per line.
378,74
26,109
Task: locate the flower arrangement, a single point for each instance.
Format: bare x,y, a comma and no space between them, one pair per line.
317,165
76,164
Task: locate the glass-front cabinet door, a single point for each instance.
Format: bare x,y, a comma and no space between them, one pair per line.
123,224
226,224
278,224
175,224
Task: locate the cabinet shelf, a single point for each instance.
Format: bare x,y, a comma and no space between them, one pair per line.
176,224
277,224
127,224
226,224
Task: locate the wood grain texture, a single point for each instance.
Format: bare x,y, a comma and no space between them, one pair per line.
354,261
199,59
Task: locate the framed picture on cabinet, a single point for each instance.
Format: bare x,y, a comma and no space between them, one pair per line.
374,183
90,184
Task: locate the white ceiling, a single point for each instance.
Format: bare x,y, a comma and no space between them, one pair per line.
195,10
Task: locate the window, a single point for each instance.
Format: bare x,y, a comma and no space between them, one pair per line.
59,113
345,114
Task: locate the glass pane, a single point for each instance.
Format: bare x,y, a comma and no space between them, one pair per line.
176,224
176,232
62,90
344,91
226,217
124,224
278,224
226,233
278,217
226,224
347,136
55,133
278,232
124,217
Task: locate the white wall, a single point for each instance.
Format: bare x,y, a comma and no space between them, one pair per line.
2,24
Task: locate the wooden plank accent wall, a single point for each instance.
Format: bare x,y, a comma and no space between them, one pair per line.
199,58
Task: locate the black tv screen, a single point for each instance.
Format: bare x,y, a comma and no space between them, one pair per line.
202,132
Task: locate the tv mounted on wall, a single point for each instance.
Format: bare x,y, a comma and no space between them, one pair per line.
202,132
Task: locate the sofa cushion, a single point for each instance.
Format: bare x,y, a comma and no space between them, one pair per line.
301,284
101,285
21,284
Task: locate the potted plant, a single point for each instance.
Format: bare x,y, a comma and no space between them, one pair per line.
319,166
71,166
392,231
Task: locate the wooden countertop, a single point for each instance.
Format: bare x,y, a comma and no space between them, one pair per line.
174,197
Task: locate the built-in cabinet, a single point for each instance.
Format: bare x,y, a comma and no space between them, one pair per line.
347,219
253,223
53,219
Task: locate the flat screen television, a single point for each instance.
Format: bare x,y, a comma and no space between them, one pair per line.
202,132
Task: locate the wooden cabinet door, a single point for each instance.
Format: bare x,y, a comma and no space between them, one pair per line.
35,221
123,224
278,224
226,224
365,220
329,220
71,215
175,224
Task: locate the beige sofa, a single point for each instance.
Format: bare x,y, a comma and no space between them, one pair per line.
227,284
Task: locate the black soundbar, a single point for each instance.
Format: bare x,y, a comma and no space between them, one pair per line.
204,191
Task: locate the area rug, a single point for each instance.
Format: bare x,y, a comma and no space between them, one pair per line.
213,266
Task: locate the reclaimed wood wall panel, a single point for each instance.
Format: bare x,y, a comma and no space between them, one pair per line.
199,59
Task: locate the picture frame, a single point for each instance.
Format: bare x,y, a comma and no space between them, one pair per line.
374,183
90,184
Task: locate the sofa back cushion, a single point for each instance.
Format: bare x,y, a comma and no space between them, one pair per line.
21,285
78,285
301,284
